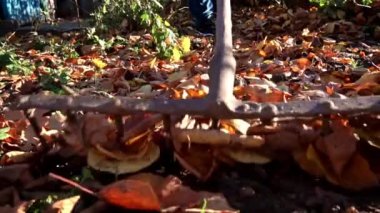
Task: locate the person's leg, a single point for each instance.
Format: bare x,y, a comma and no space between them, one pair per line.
203,12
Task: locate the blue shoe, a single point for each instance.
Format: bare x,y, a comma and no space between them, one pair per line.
203,12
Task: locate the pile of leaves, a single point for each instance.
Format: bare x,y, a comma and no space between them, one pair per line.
282,55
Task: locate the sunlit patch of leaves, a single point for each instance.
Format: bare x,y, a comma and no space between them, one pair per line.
19,66
53,79
41,205
337,3
144,14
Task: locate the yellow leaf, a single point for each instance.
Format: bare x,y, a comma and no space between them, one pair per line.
152,63
99,63
185,44
176,55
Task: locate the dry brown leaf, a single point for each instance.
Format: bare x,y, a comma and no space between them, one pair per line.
339,146
12,173
358,174
14,157
172,194
246,155
369,77
198,160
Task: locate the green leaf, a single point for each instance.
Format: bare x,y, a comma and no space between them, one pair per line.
4,133
145,18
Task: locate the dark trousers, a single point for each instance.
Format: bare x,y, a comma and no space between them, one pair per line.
202,11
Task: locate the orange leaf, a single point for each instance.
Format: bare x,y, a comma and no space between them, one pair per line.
358,174
303,63
196,93
330,90
131,194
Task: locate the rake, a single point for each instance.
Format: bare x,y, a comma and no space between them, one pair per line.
220,103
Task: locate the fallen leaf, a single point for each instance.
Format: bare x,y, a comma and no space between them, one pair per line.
12,173
185,44
123,163
246,155
172,193
339,146
176,55
358,174
131,194
14,157
63,206
99,63
4,133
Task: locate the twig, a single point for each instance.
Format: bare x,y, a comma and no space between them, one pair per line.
175,12
197,210
360,5
68,90
72,183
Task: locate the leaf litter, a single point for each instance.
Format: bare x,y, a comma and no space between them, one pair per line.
282,55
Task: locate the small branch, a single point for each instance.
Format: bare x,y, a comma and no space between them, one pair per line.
360,5
175,12
72,183
197,210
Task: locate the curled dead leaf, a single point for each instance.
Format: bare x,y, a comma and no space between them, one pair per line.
246,156
13,157
123,163
339,146
358,175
